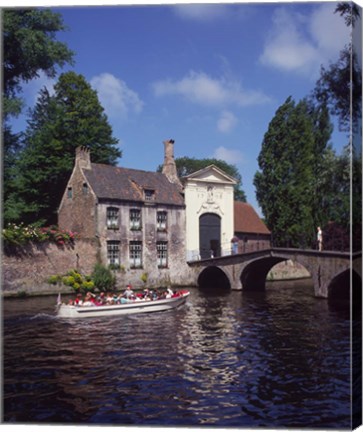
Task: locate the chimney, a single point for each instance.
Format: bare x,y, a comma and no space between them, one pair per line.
83,157
169,167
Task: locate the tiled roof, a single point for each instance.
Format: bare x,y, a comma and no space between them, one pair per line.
246,220
109,182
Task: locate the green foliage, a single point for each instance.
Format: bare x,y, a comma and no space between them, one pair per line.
285,185
58,124
144,277
29,47
103,278
187,165
54,279
20,235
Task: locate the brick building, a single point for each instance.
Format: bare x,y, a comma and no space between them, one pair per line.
149,223
137,216
250,233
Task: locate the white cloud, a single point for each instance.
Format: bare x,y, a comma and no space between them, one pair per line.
115,96
228,155
201,12
298,43
226,122
200,88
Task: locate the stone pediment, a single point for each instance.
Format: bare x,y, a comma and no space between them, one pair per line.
210,174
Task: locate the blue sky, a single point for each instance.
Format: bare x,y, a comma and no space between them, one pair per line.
209,76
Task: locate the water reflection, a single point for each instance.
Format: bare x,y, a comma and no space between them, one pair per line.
278,358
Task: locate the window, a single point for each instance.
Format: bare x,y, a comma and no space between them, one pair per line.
69,193
112,217
113,252
149,194
135,219
161,221
162,254
135,254
85,189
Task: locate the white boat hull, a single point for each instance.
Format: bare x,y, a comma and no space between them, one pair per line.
134,307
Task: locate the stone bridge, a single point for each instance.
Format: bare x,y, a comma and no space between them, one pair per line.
330,271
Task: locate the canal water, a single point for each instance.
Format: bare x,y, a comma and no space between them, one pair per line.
278,358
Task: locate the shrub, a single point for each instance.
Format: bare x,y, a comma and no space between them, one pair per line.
54,279
103,278
144,277
20,235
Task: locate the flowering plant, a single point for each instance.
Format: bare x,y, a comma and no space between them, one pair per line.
20,235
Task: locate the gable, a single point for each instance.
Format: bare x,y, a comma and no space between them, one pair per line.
211,174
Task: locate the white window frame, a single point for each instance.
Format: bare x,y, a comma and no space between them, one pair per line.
135,219
162,254
112,217
135,254
113,252
161,220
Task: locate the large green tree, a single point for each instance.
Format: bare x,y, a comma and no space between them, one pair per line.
285,184
58,124
29,47
186,165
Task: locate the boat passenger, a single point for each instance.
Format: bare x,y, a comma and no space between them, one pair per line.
169,293
109,299
78,301
88,300
128,292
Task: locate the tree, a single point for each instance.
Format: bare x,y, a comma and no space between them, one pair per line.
58,124
186,166
340,85
284,186
29,46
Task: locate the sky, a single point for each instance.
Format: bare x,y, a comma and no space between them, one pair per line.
209,76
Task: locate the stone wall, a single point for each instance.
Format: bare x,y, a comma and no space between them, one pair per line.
27,270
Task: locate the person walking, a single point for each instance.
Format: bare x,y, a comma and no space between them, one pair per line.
320,238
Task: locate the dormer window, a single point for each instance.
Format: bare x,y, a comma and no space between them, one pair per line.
69,193
149,194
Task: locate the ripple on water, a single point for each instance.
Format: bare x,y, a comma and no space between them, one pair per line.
273,359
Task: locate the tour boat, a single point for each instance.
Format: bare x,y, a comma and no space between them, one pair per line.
132,307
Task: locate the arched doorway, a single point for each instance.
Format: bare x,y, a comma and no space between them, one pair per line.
209,235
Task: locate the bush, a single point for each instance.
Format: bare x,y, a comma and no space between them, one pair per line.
54,279
20,235
103,278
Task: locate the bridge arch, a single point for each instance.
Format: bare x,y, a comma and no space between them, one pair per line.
339,287
254,275
212,277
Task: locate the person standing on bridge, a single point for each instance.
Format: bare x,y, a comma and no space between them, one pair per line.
320,238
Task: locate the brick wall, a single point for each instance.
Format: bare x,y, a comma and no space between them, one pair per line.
77,211
28,270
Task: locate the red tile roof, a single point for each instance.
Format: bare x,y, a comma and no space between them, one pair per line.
246,220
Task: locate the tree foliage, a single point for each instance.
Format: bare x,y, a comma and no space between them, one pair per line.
290,186
186,165
58,124
29,47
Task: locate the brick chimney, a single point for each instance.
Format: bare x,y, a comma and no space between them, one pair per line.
83,157
169,167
